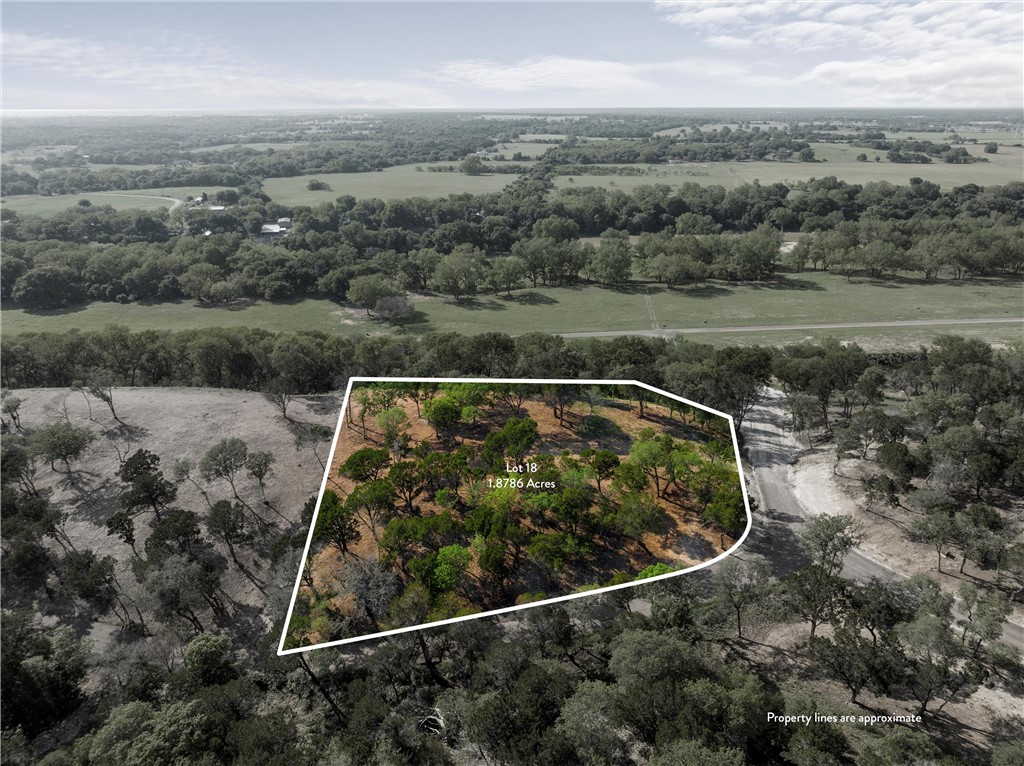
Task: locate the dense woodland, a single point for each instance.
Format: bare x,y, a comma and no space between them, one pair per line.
365,250
676,686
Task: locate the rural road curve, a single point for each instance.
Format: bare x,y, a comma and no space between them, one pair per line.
772,451
669,332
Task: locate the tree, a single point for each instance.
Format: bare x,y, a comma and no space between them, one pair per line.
740,585
365,464
392,423
827,539
512,442
259,465
442,413
937,668
612,262
11,405
507,274
208,660
813,594
373,502
225,460
727,511
452,561
937,529
393,307
472,166
146,488
588,721
42,670
638,514
372,584
408,482
365,291
856,660
336,522
603,463
91,578
61,441
460,273
226,521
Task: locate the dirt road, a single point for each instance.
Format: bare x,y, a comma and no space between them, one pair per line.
176,203
670,332
772,454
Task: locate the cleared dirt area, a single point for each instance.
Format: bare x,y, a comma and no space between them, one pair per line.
175,424
886,529
974,725
681,539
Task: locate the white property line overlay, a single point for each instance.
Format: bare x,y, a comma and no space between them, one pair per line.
281,651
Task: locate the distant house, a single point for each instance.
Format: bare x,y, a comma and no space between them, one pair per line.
274,232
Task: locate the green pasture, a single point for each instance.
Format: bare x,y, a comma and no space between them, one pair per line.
310,314
531,149
821,297
808,298
398,182
838,160
142,199
1000,136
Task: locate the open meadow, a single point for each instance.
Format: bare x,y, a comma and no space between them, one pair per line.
833,160
397,182
808,298
139,199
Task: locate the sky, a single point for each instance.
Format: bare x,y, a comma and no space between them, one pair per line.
526,55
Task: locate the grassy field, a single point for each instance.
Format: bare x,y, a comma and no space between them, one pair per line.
530,149
259,147
999,136
392,183
835,160
816,297
143,199
808,298
185,315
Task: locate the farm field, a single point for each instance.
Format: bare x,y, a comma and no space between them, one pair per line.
807,298
397,182
838,160
507,506
141,199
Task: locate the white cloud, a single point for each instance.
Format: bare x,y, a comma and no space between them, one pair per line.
729,42
541,73
198,74
898,53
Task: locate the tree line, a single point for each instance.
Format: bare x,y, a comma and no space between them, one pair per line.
468,244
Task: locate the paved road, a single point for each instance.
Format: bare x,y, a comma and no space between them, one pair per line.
669,332
772,451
